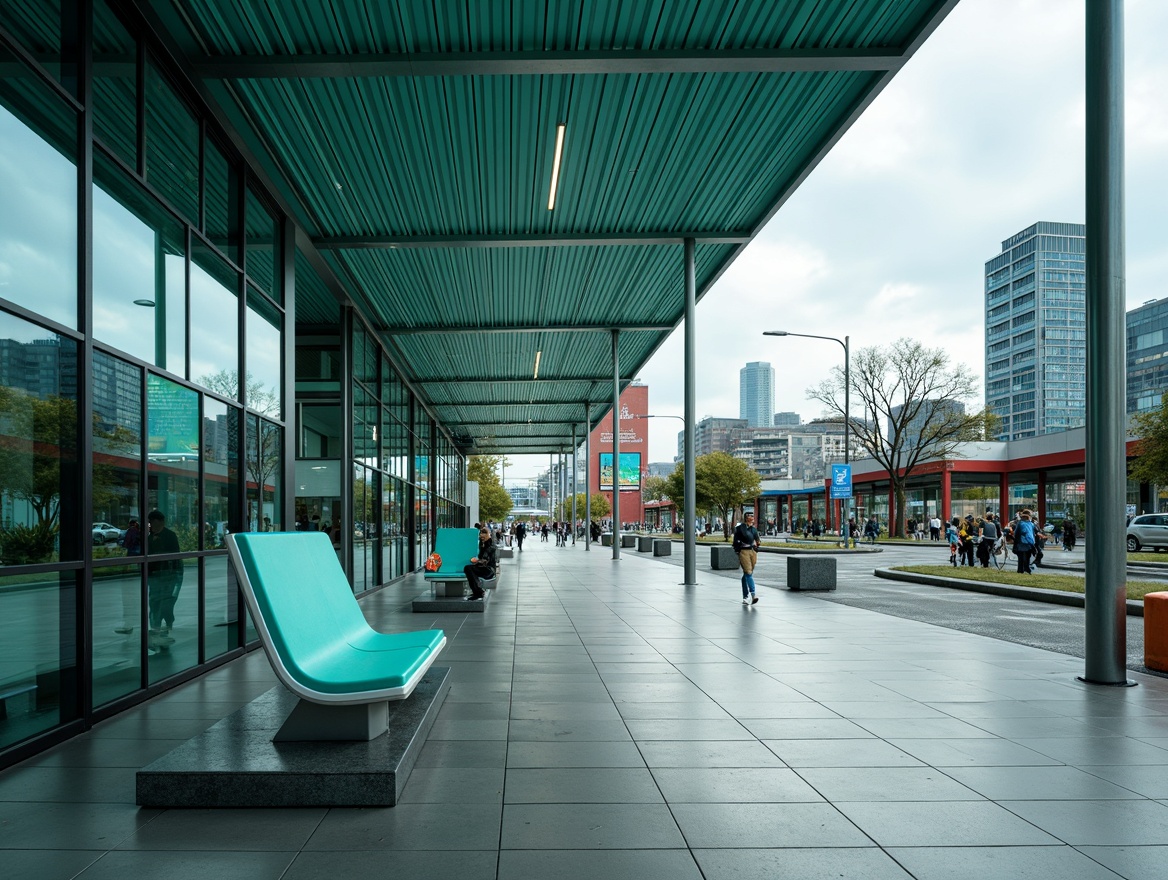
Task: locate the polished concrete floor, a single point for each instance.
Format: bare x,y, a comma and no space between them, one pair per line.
605,721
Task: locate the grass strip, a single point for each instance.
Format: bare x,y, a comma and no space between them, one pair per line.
1067,583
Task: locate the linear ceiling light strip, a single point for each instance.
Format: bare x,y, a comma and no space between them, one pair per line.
556,164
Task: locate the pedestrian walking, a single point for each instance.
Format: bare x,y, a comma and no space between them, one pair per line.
988,534
1025,540
746,544
952,535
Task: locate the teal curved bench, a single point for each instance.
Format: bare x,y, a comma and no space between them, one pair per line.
456,547
316,638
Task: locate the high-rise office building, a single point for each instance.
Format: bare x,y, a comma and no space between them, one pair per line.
756,394
1147,355
713,435
1035,346
787,420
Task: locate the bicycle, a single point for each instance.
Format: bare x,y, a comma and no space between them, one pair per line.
1000,554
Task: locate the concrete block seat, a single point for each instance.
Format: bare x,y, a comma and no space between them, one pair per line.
723,558
456,547
810,573
317,640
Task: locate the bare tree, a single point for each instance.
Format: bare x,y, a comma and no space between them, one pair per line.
907,393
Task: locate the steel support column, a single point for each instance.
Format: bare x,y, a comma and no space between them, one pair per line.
691,408
615,446
573,485
587,476
1106,460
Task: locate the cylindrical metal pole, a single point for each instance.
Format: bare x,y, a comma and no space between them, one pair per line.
846,524
1106,454
551,487
573,485
587,476
691,408
615,446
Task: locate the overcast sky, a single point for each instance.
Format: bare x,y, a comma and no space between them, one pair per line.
980,136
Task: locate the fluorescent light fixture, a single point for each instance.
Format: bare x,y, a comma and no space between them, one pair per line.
556,164
538,355
146,303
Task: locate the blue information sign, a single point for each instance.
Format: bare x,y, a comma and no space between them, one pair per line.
841,481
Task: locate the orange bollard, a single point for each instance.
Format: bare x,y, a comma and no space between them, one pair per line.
1156,631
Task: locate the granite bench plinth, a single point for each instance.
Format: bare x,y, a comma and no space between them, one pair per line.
723,558
505,552
810,573
629,541
452,604
662,547
235,763
606,539
644,544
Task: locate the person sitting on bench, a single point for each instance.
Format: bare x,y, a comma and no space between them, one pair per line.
481,566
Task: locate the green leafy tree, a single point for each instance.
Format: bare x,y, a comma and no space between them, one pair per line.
38,435
494,502
600,506
721,482
1151,461
654,488
906,390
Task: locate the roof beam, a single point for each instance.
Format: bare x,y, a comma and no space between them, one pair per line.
522,240
459,423
525,328
525,380
541,63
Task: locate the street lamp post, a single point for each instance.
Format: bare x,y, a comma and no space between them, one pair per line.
690,547
847,385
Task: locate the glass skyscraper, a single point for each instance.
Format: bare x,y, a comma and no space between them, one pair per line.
1036,347
1147,355
756,394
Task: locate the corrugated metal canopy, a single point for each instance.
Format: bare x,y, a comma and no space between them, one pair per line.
413,141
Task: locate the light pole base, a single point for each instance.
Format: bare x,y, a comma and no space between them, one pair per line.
1126,683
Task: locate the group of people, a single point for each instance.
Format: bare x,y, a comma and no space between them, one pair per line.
983,536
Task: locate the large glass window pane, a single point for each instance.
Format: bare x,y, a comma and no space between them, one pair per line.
221,610
38,196
173,601
172,146
365,423
37,653
264,376
115,85
320,431
117,457
139,271
173,471
214,324
47,30
220,471
38,445
271,470
220,209
261,246
117,632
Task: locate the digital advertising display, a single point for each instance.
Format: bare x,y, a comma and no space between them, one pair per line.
630,471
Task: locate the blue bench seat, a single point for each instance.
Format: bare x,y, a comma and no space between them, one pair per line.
316,638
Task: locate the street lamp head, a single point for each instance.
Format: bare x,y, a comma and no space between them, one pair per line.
774,333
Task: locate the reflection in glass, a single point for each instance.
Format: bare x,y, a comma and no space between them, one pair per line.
139,271
263,391
38,192
173,455
172,146
320,431
220,471
45,31
261,247
117,455
214,324
221,610
33,643
117,632
38,443
173,601
115,85
220,211
422,523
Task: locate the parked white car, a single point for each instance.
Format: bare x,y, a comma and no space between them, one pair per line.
103,533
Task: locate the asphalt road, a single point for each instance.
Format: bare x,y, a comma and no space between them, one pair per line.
1024,622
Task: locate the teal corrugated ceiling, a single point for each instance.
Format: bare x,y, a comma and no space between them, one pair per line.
464,154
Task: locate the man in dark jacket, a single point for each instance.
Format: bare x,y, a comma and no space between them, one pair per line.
164,579
481,566
746,543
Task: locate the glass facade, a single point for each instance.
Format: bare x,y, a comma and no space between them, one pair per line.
146,407
1036,343
1147,356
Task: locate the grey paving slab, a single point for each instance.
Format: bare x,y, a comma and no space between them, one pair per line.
1038,783
979,863
976,752
805,864
838,784
689,729
745,785
706,753
660,864
574,754
1132,862
706,710
806,728
841,753
64,826
567,730
594,785
438,827
1149,781
1097,750
944,823
266,830
720,826
454,785
190,865
589,826
475,730
1098,823
465,865
46,864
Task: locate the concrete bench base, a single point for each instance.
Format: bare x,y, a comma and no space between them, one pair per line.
810,573
629,541
236,764
505,552
644,544
723,558
606,539
455,605
662,547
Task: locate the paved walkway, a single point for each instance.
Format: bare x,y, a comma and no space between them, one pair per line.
606,722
